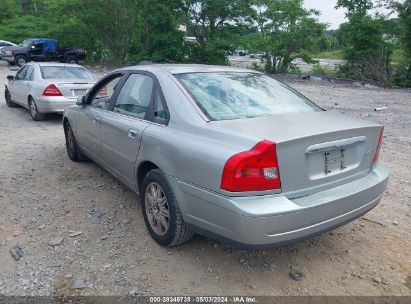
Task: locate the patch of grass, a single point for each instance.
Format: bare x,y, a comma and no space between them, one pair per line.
319,70
336,55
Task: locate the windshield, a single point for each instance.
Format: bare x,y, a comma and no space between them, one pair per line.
62,72
231,95
26,43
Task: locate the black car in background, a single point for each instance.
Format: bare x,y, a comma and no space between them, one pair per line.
41,49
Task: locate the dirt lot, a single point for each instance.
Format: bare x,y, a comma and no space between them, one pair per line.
44,196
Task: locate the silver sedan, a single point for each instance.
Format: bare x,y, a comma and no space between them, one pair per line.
47,87
228,153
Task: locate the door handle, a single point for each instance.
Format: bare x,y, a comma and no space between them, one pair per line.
132,133
94,119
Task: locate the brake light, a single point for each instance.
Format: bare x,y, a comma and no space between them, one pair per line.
103,92
377,152
52,90
253,170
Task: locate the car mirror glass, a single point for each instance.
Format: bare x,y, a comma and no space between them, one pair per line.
11,78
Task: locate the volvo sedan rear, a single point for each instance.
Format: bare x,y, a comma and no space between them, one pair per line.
228,153
47,87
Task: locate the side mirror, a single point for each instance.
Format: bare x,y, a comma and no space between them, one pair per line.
11,78
81,101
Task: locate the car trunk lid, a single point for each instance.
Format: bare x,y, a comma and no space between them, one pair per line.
317,150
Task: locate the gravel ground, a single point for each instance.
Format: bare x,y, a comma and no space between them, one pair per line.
81,231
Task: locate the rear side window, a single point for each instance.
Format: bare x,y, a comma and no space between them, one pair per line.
236,95
62,72
29,73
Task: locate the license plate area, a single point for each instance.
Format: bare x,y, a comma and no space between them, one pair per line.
77,93
334,161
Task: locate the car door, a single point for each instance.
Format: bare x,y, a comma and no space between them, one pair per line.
36,51
88,131
123,127
16,86
26,84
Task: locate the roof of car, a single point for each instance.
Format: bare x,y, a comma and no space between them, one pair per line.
42,64
187,68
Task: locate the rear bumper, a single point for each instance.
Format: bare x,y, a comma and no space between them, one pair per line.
274,220
54,104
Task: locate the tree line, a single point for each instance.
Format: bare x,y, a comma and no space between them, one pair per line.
129,31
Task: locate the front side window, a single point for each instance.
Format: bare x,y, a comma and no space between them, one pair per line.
21,73
135,96
63,72
102,97
236,95
26,43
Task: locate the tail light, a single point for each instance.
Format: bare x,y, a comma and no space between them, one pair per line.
377,152
103,92
52,90
253,170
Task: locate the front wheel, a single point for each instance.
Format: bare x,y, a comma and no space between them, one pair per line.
35,114
162,216
73,150
7,97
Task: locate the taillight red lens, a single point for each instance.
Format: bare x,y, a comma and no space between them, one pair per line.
377,152
52,90
253,170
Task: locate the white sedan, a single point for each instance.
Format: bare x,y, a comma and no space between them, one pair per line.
47,87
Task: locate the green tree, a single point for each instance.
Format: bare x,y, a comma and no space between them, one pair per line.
208,21
286,31
364,44
355,7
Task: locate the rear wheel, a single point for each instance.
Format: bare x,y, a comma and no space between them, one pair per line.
20,60
35,114
71,60
7,97
73,150
162,216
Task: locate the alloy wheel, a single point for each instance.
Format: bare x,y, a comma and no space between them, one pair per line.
70,140
33,109
7,96
157,209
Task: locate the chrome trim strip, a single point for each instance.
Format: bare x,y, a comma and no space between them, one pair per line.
338,144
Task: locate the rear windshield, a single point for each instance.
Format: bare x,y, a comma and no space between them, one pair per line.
224,96
61,72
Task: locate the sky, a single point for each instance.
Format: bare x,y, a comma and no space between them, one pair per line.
328,12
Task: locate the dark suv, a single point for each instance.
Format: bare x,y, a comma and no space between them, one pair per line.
41,49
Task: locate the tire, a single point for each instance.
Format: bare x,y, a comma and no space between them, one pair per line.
177,232
71,60
20,60
35,114
73,150
7,97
